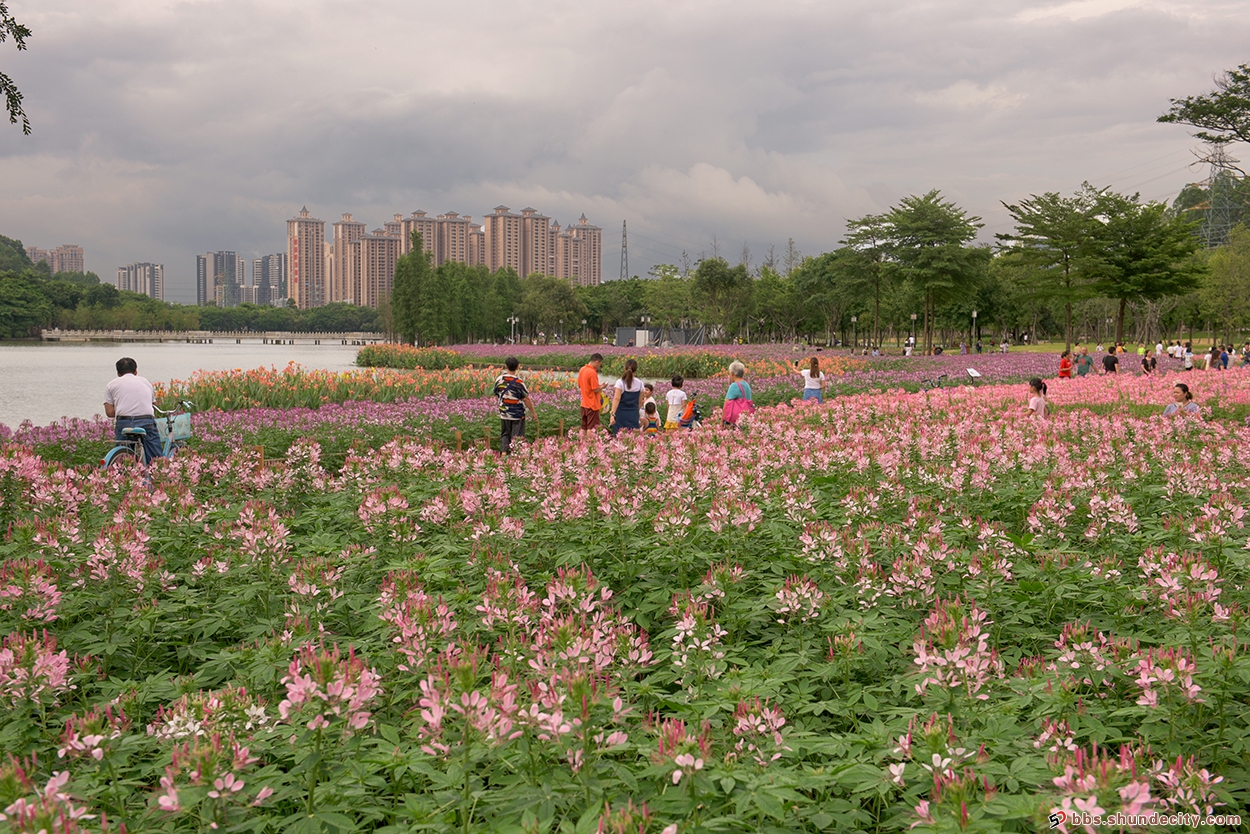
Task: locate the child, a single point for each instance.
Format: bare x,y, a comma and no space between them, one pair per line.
1037,399
1065,365
648,396
651,419
676,404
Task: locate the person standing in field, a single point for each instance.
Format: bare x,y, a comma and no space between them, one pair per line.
592,397
1084,362
1182,401
1109,362
676,399
738,399
1037,399
1188,354
626,400
1065,365
514,401
813,382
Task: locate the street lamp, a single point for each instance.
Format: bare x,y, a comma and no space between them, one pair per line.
913,330
513,321
583,328
973,337
855,330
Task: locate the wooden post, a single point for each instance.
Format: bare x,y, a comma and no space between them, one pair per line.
561,427
459,441
486,434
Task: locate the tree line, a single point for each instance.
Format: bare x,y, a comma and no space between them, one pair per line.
32,299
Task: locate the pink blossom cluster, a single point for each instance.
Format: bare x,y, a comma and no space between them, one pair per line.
697,651
261,534
953,651
213,762
1108,513
1185,584
32,670
120,554
28,589
325,686
1085,657
89,734
1098,783
1168,671
629,819
682,750
798,600
461,699
385,512
757,727
47,810
577,711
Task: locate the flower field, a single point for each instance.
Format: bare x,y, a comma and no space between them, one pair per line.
894,610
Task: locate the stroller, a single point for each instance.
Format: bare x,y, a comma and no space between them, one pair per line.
690,415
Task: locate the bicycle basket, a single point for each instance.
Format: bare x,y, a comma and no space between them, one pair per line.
182,427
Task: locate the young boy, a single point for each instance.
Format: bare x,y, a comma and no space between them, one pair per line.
514,399
651,419
676,404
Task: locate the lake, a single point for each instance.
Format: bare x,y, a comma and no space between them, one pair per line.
46,381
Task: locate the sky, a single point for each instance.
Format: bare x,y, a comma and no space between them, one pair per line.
166,129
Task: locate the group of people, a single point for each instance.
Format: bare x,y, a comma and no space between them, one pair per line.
1219,358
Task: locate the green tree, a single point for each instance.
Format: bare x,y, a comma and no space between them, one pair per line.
412,280
1225,293
667,296
867,270
24,309
10,28
547,302
1148,255
930,237
1058,243
820,282
1222,115
722,294
13,255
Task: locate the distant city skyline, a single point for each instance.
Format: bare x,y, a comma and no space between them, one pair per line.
164,130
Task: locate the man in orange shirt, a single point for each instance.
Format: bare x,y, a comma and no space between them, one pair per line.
588,383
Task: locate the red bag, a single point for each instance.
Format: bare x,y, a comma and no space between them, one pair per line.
736,408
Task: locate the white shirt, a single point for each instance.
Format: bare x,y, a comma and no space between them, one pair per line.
130,395
810,383
676,404
1158,348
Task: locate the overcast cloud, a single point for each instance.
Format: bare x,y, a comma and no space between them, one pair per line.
166,129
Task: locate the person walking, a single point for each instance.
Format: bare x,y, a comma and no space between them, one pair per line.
676,399
514,401
592,397
738,399
1109,362
813,381
130,400
626,400
1188,354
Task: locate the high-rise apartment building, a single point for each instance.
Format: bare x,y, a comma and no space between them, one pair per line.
421,222
345,281
269,279
305,246
503,240
378,255
590,265
67,257
144,278
221,278
537,254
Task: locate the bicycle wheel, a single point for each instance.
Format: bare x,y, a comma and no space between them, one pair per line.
120,456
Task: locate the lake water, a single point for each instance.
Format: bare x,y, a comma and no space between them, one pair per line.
43,382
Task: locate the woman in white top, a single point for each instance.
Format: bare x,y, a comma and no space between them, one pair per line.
626,400
813,382
1037,399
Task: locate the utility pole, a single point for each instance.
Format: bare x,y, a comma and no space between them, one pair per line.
624,252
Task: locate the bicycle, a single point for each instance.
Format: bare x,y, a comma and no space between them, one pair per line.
930,384
174,427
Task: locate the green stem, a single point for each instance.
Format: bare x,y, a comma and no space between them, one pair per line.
313,773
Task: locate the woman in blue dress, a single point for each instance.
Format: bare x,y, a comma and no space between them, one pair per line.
626,397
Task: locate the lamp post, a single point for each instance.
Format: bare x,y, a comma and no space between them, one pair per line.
513,321
855,331
913,330
973,337
583,328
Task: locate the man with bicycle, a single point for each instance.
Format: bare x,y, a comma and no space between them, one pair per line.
130,400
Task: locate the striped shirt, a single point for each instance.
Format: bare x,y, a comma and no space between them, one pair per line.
511,392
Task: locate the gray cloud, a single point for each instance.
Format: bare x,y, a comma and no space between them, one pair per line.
165,128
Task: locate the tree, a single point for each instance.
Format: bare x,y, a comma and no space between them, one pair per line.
819,282
722,293
23,307
667,297
412,280
548,301
867,271
1222,115
10,28
1148,255
779,301
13,255
930,238
1225,294
1059,247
